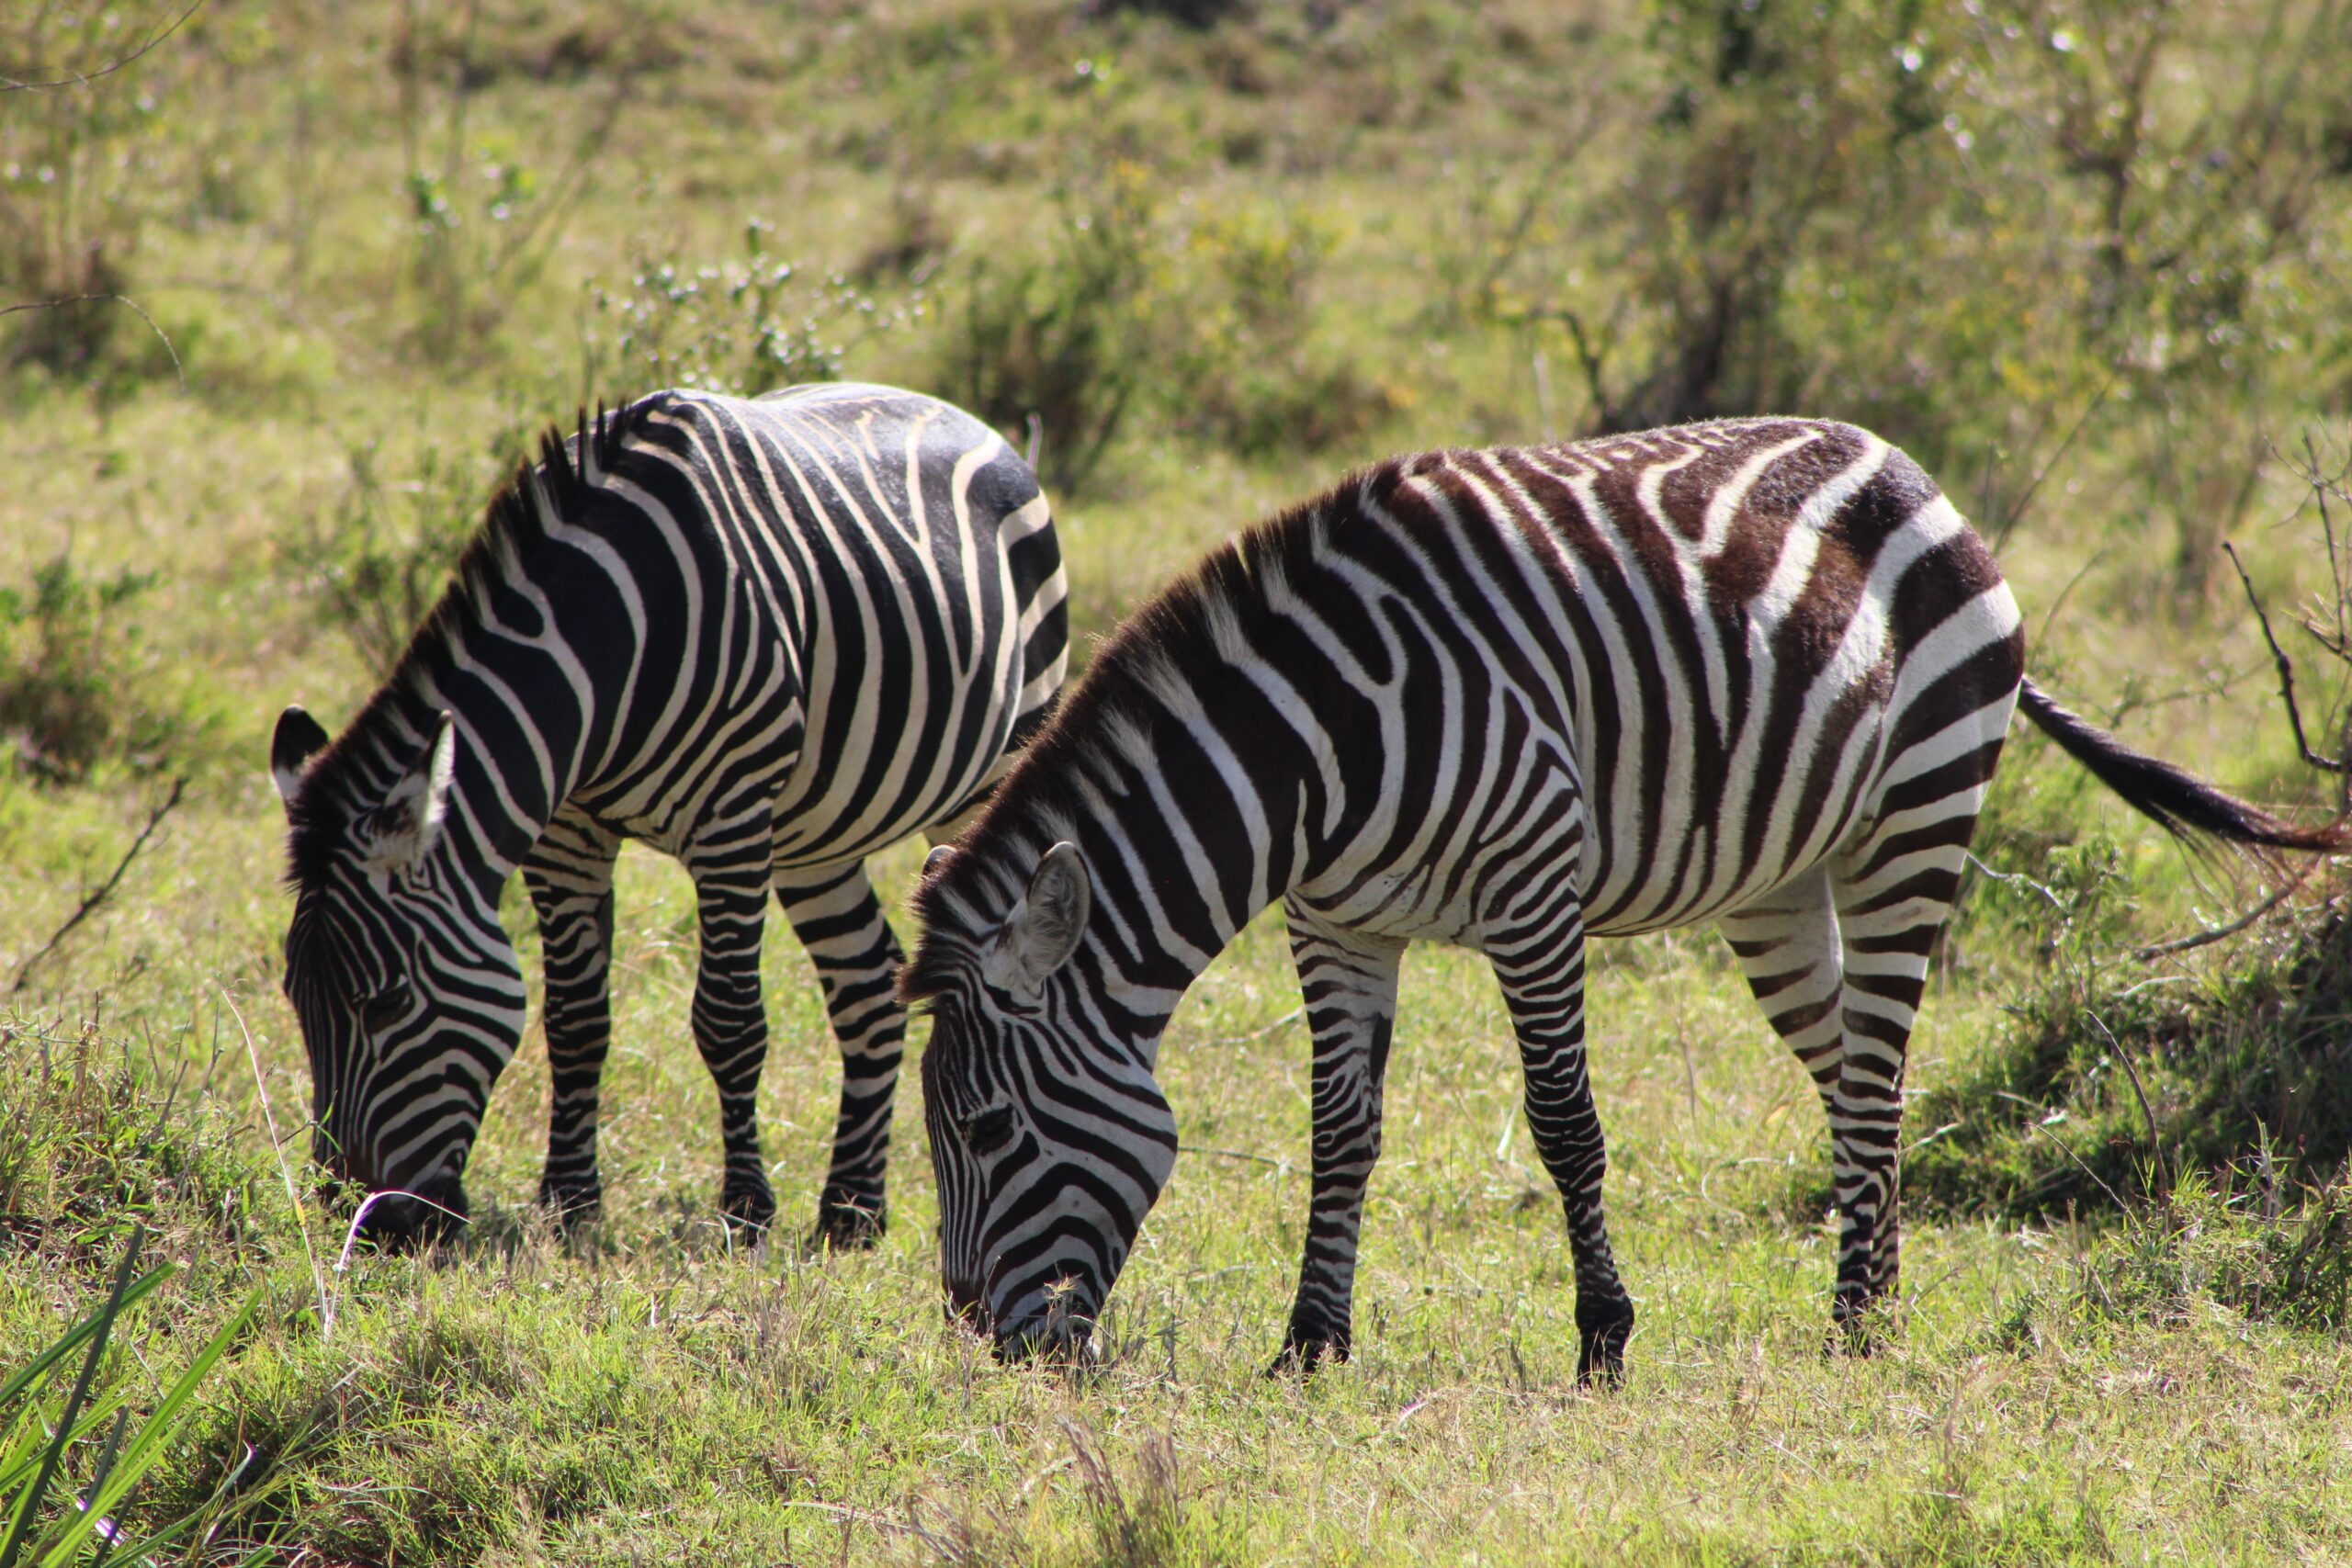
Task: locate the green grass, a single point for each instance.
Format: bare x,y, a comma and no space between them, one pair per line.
1324,263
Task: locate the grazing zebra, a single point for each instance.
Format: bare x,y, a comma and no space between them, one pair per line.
767,638
1756,672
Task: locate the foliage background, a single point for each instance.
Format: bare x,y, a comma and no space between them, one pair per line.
306,277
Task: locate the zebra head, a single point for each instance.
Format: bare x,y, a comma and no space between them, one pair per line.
404,983
1049,1136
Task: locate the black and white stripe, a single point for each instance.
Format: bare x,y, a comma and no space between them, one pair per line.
766,637
1756,672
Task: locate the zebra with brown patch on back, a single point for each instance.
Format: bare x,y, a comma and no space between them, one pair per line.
1756,672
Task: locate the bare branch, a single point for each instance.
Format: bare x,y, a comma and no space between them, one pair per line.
2219,934
2285,669
71,78
2016,513
95,901
153,326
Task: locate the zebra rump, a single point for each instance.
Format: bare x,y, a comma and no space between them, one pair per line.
1753,672
766,637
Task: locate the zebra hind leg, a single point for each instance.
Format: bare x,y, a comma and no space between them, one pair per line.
1542,971
730,1027
1349,983
1894,894
1792,952
569,876
839,919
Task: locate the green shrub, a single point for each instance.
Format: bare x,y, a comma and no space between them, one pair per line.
1138,313
78,168
2261,1252
380,560
745,327
2103,1078
482,217
79,685
1059,341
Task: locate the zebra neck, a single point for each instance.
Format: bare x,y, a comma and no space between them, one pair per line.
514,766
1184,852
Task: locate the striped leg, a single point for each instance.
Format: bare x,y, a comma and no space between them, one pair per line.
1349,982
1788,947
1894,894
1542,971
1793,953
569,876
839,921
731,1024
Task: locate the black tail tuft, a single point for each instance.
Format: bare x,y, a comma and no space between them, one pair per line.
2176,800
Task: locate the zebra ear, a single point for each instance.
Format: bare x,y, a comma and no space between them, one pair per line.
299,739
1043,930
396,835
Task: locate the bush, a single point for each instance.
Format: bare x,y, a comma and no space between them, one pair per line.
2250,1251
2103,1078
482,220
79,687
76,162
1054,348
383,559
745,327
1140,311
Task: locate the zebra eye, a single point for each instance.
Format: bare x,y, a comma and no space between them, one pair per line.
990,1131
386,1007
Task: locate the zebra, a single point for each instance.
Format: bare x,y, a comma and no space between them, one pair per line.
765,636
1753,671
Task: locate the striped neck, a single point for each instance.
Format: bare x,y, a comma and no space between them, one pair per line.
1193,771
493,638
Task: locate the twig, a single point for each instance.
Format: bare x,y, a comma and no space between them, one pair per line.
2064,1147
278,1147
1282,1164
72,78
2017,876
91,905
2285,669
2115,1048
2016,513
2206,938
177,369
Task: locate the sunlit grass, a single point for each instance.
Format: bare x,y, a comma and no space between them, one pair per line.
657,1393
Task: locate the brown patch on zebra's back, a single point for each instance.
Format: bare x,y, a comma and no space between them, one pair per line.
1787,485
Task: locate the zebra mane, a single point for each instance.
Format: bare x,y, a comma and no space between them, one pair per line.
1193,627
340,781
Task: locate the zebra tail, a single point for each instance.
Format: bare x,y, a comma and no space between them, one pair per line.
2175,799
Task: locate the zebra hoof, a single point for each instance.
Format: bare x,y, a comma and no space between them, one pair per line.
1860,1328
1600,1348
575,1208
851,1225
748,1212
1303,1353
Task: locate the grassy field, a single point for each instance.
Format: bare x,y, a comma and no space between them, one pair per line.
1221,252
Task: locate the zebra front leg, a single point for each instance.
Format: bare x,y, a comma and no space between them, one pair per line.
1542,971
1349,982
730,1028
569,876
839,921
